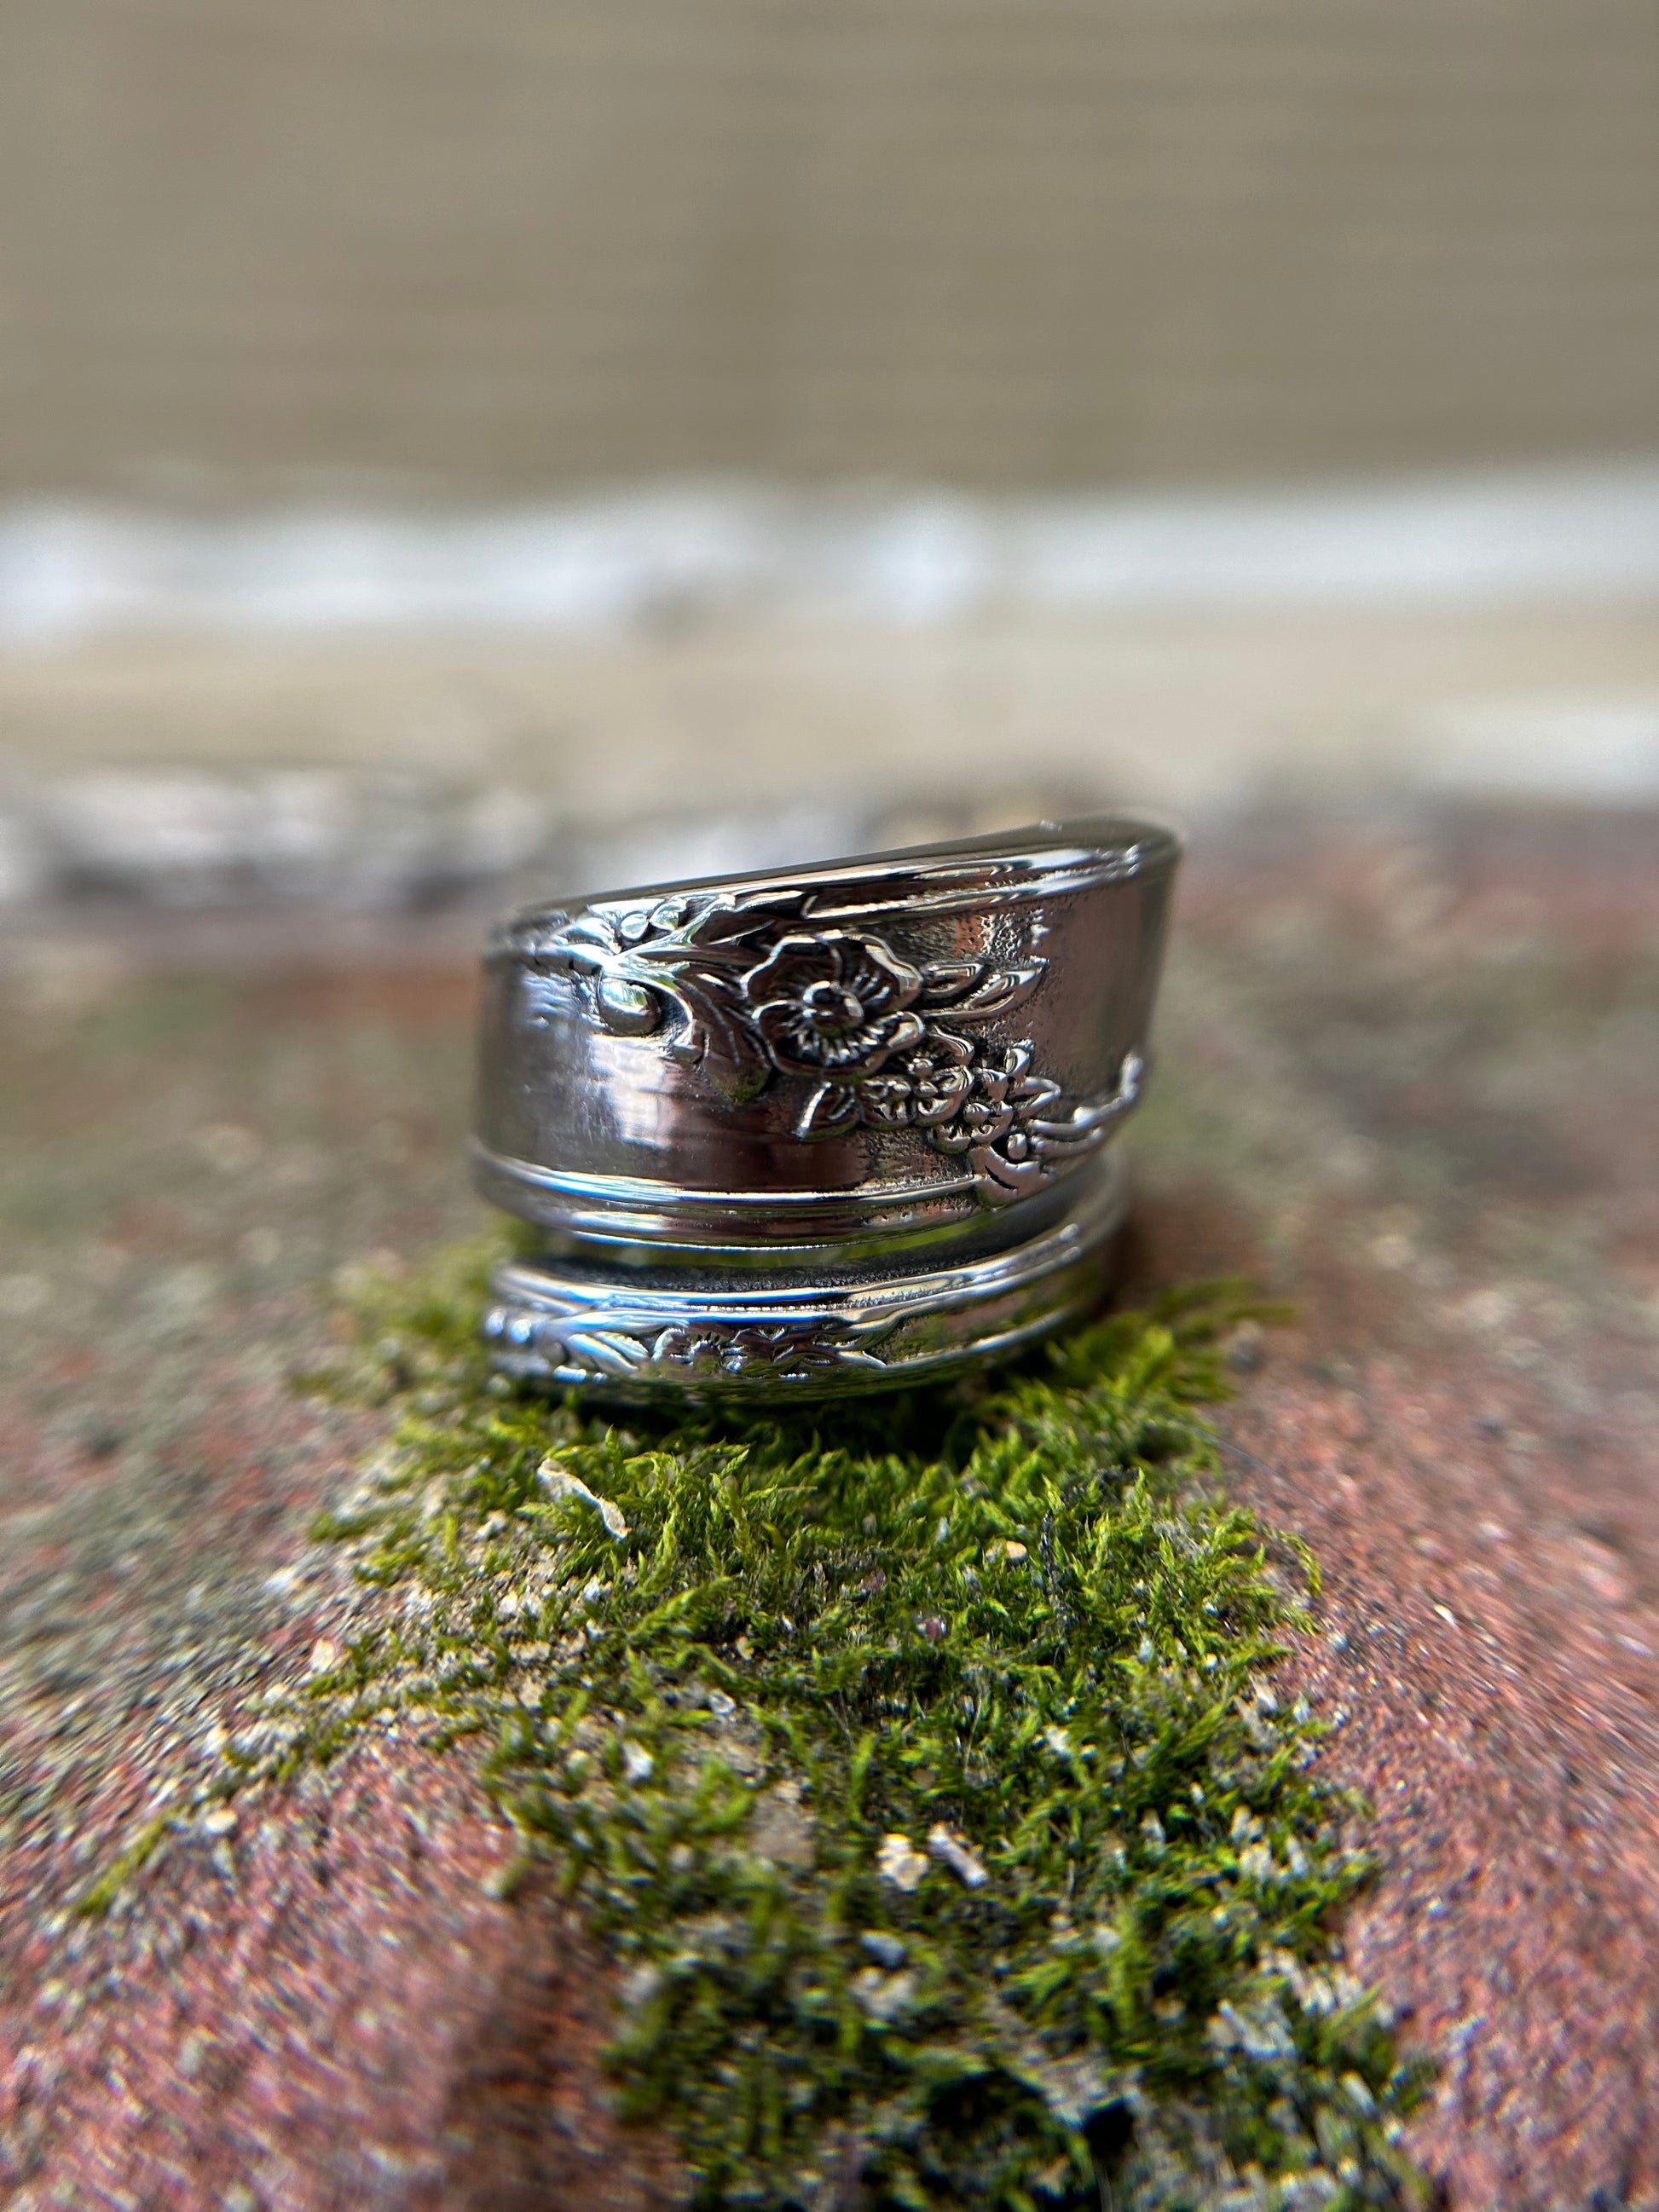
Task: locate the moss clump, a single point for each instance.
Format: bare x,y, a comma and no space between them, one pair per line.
130,1859
918,1764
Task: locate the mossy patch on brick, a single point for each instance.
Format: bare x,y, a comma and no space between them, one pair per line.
919,1762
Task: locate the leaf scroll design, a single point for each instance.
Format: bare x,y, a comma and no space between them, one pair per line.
685,949
623,1346
976,990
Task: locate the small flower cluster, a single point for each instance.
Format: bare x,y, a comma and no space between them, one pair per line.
839,1006
965,1096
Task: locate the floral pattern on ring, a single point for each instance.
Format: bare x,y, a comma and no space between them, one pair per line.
880,1037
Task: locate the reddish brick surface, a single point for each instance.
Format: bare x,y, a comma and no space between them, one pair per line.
326,2012
1455,1029
1410,1074
1495,1669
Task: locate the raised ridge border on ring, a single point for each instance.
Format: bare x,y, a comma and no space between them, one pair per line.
630,1341
816,1130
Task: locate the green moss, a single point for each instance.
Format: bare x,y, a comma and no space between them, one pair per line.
917,1762
133,1856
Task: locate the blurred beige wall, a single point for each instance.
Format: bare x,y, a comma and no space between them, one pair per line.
257,246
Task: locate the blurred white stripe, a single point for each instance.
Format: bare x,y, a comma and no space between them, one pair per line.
69,571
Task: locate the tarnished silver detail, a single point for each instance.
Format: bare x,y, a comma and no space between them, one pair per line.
759,1120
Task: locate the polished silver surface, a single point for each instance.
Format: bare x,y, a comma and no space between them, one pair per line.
818,1129
794,1337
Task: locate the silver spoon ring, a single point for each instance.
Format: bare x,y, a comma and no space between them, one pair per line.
835,1128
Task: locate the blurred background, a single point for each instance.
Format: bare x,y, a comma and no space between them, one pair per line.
453,447
442,446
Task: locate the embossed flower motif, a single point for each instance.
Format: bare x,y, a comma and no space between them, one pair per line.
925,1088
836,1004
776,1350
1004,1100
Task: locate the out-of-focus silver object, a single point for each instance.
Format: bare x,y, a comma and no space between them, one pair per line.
835,1128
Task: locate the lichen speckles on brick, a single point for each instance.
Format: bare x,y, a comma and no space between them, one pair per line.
917,1765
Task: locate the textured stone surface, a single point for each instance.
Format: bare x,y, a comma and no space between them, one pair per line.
1424,1069
1410,1074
